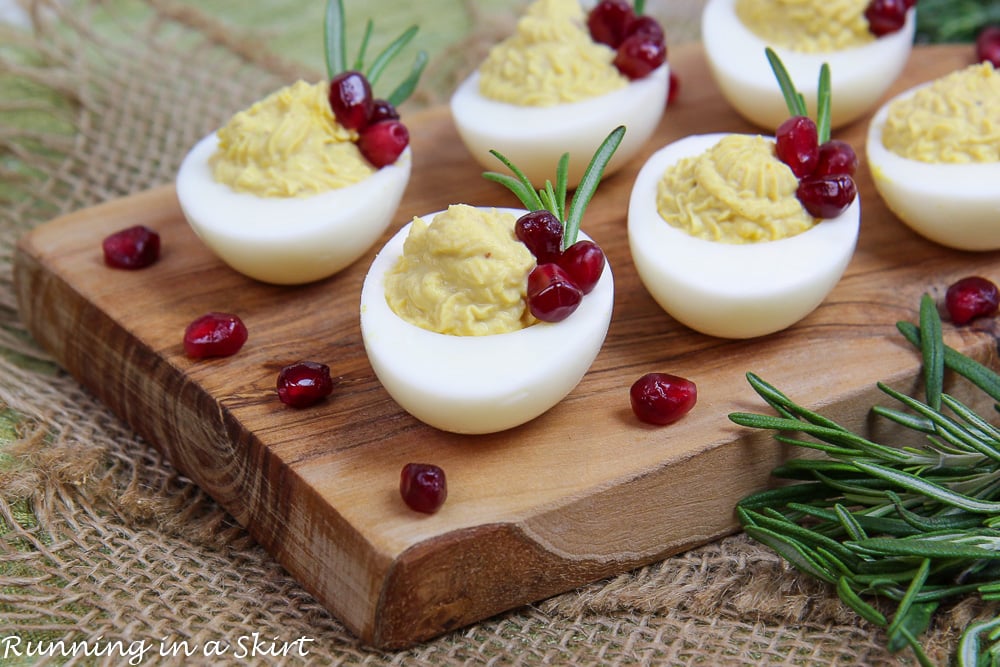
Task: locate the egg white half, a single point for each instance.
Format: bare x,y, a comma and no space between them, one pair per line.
858,76
728,290
955,205
478,384
288,240
534,138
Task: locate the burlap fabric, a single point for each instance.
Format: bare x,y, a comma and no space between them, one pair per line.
102,540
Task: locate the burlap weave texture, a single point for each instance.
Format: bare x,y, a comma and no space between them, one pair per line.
100,539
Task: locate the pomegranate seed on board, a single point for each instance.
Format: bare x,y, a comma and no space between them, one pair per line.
885,16
797,145
382,143
304,383
351,99
552,294
131,248
214,335
970,298
639,55
608,21
542,233
836,157
662,398
988,45
827,196
423,487
584,263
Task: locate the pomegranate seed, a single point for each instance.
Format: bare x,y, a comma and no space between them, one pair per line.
382,143
827,196
836,157
675,87
351,99
131,248
423,487
885,16
661,398
383,110
542,232
552,294
797,145
639,55
608,21
647,26
988,45
304,383
970,298
214,335
584,263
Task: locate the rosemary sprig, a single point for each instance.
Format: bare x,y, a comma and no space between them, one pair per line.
914,525
335,49
552,198
796,102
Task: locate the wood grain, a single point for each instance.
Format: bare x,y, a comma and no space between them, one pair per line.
583,492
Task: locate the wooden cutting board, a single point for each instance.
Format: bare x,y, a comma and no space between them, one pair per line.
581,493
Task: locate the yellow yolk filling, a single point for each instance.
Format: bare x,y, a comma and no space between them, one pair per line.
288,145
735,192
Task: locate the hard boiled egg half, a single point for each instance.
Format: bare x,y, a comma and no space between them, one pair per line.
478,384
859,75
729,290
551,89
954,204
288,240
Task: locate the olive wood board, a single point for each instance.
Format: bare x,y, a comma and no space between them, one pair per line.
583,492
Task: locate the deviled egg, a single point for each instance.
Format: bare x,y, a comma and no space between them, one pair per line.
478,320
302,183
458,381
935,159
741,276
805,35
551,88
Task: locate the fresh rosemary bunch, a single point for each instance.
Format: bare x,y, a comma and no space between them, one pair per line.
954,20
911,525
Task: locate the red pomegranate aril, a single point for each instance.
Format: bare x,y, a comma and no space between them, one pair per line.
214,335
970,298
797,145
662,398
382,143
304,383
131,248
552,294
351,99
542,233
836,157
885,16
608,21
827,196
423,487
383,110
647,26
639,55
584,263
675,87
988,45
